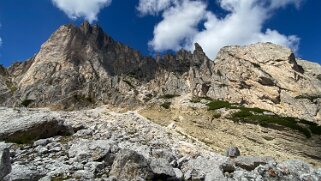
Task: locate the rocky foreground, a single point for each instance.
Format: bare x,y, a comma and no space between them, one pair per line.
100,144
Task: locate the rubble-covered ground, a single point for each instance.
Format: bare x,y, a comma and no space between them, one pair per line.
99,144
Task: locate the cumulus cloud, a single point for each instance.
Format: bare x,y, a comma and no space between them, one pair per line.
87,9
243,24
178,27
152,7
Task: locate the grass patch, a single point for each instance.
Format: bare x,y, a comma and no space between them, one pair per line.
218,104
270,121
166,105
254,109
255,116
168,96
26,102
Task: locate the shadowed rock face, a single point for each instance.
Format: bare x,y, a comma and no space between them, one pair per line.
82,66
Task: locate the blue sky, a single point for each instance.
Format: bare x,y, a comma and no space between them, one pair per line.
165,25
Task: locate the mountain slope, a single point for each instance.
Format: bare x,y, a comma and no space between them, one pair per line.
82,66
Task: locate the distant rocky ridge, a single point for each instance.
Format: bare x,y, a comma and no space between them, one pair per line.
83,67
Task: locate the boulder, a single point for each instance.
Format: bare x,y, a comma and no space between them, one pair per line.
25,128
24,173
228,166
84,151
129,165
162,169
233,152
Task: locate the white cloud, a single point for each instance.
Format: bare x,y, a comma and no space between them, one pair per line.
178,27
242,25
152,7
87,9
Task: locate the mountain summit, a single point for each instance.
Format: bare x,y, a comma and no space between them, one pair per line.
82,66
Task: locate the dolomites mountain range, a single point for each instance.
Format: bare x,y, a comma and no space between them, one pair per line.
82,66
87,107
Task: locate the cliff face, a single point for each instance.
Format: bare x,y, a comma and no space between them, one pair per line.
82,66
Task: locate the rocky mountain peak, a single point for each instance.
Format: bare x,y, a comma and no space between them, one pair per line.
86,27
198,49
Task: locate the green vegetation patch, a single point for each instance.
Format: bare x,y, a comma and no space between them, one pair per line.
166,105
216,115
256,116
218,104
270,121
168,96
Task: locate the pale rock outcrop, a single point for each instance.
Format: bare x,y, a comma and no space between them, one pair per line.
23,128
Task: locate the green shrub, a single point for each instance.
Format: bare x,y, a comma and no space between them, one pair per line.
216,115
303,121
27,102
269,121
218,104
255,109
166,105
168,96
319,77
